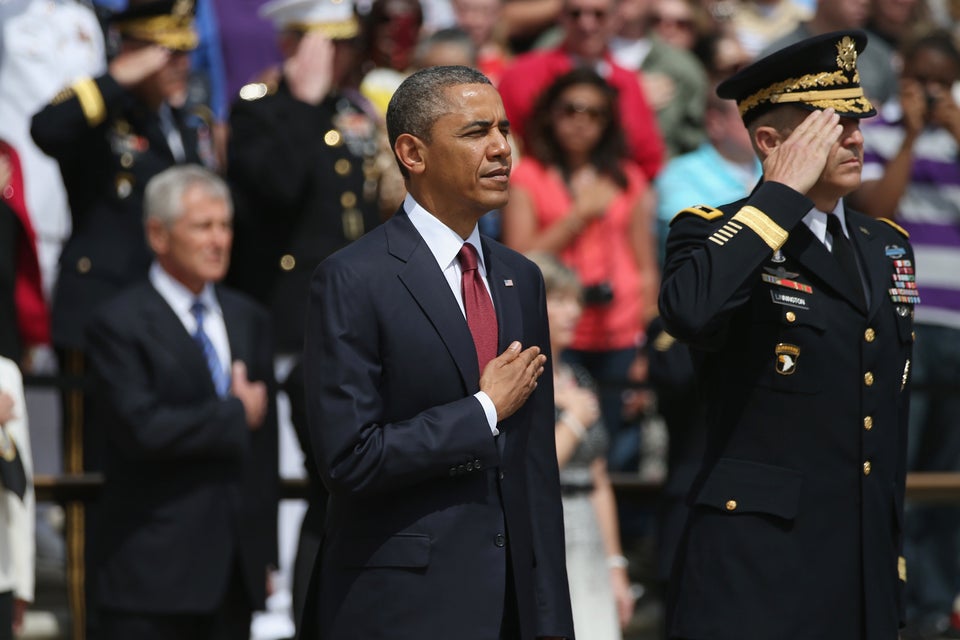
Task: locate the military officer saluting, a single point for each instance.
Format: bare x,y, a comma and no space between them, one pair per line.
799,311
302,161
304,167
110,135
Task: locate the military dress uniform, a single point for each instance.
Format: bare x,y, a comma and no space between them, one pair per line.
305,179
797,510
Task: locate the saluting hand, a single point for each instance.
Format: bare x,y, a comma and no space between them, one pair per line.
130,67
511,377
253,395
799,160
309,72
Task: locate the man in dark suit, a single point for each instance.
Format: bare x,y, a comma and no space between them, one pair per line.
799,312
444,519
188,528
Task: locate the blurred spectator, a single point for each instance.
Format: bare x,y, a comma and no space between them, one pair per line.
304,168
911,174
24,320
721,54
525,21
44,46
208,90
588,26
189,527
596,568
445,47
757,23
678,22
876,63
673,80
897,21
392,28
578,196
17,546
726,167
481,19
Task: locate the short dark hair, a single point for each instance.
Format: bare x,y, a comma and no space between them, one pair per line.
938,40
419,101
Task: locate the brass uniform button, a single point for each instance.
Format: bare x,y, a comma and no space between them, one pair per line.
867,468
342,167
868,379
84,265
869,335
288,262
913,336
868,423
791,316
333,138
731,505
126,160
348,200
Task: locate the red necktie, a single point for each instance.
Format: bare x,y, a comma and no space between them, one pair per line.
481,318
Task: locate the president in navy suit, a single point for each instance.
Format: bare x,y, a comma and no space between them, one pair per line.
185,398
431,401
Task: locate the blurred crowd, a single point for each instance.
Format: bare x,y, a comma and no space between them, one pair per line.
615,126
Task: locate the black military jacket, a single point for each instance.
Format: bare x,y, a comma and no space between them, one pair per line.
105,165
797,511
305,181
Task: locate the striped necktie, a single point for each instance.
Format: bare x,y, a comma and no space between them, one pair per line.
221,380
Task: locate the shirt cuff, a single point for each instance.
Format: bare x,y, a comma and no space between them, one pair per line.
489,410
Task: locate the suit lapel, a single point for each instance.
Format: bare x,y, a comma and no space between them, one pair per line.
425,281
807,249
164,326
505,298
238,331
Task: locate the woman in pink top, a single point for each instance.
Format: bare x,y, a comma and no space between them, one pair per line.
577,194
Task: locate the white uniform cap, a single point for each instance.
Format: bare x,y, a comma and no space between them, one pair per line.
334,18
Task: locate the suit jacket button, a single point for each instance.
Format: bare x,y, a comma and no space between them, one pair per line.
867,468
791,316
868,379
869,335
731,505
500,540
288,262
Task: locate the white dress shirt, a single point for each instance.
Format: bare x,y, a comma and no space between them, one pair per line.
816,221
444,243
181,299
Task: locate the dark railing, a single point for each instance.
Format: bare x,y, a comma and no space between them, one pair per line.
927,487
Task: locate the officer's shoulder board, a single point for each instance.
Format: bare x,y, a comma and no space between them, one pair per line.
700,210
897,227
257,90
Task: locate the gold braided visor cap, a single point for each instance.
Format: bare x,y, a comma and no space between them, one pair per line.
816,73
168,23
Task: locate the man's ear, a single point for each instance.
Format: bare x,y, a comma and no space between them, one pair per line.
158,236
766,139
411,151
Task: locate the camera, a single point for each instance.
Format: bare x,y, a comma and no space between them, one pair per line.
596,295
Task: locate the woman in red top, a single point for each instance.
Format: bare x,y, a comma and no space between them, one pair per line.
577,194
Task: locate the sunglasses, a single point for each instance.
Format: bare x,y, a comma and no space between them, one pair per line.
597,14
571,109
680,23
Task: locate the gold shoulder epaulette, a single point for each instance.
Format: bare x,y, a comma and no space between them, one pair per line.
63,95
893,224
257,90
702,211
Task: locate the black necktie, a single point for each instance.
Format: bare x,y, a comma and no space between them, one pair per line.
843,251
12,475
